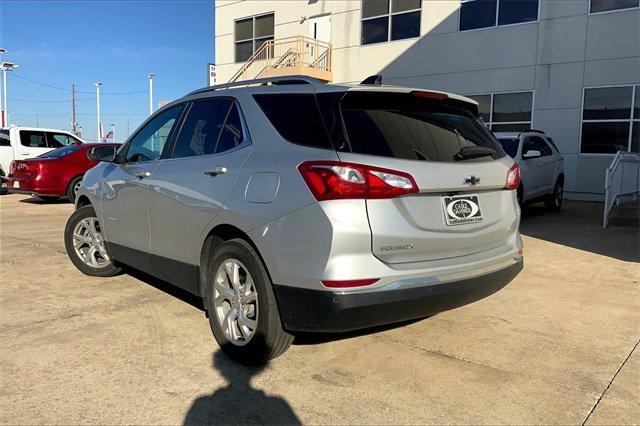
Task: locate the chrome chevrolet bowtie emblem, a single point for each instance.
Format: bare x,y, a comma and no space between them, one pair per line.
471,180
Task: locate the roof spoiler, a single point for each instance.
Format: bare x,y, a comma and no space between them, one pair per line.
373,79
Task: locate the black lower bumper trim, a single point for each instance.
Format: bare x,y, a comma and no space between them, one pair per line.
325,311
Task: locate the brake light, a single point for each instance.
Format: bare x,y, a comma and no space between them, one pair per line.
429,95
350,283
336,180
513,177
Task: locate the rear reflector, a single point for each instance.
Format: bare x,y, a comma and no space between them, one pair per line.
350,283
336,180
513,177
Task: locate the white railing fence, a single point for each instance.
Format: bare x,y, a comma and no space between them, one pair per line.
622,178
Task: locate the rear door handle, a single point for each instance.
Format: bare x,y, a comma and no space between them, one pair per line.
216,171
143,174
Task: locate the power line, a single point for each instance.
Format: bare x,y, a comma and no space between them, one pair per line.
38,101
77,91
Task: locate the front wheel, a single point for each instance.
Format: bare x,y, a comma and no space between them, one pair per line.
84,241
241,306
553,201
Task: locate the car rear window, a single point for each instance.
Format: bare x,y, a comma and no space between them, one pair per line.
510,146
400,125
60,152
296,117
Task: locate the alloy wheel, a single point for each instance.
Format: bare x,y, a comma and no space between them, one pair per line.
88,243
76,187
235,302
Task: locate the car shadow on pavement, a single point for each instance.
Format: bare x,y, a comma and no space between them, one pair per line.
239,402
40,201
320,338
579,225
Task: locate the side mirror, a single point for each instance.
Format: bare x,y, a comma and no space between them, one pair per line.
102,153
532,153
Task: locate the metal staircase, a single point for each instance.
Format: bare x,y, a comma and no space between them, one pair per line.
288,56
622,181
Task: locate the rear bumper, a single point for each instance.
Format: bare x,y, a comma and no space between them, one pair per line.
30,186
325,311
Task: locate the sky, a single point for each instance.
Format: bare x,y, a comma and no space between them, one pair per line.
115,42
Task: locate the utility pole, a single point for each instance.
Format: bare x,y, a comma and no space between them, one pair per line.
37,120
113,132
1,92
99,132
127,127
74,124
150,92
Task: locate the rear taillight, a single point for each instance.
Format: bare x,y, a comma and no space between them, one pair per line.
513,177
350,283
336,180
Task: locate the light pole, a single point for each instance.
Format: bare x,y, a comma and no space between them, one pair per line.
150,76
99,133
1,98
6,66
113,132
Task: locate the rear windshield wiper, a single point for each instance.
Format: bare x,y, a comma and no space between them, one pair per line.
473,152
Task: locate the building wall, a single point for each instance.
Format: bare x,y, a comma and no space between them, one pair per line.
566,50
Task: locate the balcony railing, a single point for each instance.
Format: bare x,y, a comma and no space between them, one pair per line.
288,56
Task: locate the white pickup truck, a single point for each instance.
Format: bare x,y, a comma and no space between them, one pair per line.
17,143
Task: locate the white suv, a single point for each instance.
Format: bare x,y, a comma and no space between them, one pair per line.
541,167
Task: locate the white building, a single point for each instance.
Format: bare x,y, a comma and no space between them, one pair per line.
568,67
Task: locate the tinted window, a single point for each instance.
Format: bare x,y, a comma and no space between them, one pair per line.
511,12
231,135
33,139
149,142
605,138
251,33
477,14
5,140
404,16
199,133
535,143
404,126
510,146
484,106
296,118
607,103
636,106
512,106
374,8
375,30
635,137
57,140
606,5
406,25
60,152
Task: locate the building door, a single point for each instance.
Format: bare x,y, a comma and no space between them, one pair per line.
319,29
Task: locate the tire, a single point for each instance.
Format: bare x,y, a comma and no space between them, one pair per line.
72,188
48,199
102,264
520,196
553,201
267,340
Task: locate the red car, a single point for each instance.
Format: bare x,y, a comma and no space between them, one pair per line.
52,175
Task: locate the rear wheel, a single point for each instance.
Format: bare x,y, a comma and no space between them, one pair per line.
73,188
553,201
84,241
241,306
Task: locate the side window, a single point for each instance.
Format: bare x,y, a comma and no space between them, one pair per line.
148,143
537,144
33,139
231,135
58,140
201,128
5,139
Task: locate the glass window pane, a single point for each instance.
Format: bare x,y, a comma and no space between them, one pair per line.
477,14
636,106
512,106
33,139
511,127
244,50
231,135
374,8
149,142
259,42
405,25
605,5
244,29
514,11
264,26
635,137
201,128
375,30
484,106
605,138
402,5
607,103
56,140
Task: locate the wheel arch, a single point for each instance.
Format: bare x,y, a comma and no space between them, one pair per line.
82,201
560,178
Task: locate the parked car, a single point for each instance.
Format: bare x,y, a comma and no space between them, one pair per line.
54,174
296,206
17,143
541,167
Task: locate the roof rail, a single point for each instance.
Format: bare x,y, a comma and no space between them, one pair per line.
289,79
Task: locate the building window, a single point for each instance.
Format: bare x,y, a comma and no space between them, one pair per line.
250,33
610,120
385,20
608,5
506,112
476,14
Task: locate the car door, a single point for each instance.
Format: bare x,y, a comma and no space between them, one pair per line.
532,172
124,193
189,188
32,144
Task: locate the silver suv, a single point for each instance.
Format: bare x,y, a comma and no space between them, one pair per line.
289,205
